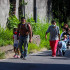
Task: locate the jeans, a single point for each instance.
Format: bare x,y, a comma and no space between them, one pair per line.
25,40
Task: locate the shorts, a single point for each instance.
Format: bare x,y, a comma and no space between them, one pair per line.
16,45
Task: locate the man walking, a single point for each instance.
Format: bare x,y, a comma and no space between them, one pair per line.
25,36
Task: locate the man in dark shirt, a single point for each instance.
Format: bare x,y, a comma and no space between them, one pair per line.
25,36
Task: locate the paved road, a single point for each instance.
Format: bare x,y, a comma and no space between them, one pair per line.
39,61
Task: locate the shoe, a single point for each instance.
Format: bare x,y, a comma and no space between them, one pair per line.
53,56
63,53
18,56
15,56
24,58
21,56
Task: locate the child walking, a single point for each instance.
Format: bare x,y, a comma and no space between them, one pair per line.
61,47
54,37
16,49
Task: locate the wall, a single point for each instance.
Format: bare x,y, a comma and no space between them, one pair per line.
29,8
43,10
17,7
4,12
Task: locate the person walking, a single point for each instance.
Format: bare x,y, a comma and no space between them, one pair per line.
16,48
54,36
25,31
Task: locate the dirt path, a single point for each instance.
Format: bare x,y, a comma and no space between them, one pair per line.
8,51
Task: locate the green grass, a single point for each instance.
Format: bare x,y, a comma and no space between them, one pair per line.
2,55
6,37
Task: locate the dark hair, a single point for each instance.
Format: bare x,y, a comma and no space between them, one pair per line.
14,29
23,18
53,21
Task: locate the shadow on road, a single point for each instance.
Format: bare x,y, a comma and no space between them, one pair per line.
45,53
32,66
49,53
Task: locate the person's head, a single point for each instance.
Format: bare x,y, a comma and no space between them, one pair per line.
65,36
53,22
23,20
66,25
63,29
15,31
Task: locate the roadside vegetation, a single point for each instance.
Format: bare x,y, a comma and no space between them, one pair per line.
39,28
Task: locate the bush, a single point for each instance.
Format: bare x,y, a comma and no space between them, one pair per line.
2,55
12,22
6,36
40,28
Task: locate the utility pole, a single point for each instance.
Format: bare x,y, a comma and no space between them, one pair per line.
35,11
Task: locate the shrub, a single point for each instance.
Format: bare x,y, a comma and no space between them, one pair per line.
12,22
6,36
2,55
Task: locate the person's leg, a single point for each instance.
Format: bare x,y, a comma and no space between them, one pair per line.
26,41
18,53
20,45
53,45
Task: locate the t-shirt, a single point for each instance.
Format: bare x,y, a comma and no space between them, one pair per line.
54,31
15,39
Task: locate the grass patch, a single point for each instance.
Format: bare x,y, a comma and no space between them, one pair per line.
2,55
6,37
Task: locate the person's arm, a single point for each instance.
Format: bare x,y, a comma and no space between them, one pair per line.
47,33
59,33
18,32
59,36
30,31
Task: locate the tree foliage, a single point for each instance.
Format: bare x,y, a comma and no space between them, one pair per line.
61,10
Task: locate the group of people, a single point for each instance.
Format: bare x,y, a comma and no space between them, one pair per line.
59,43
23,35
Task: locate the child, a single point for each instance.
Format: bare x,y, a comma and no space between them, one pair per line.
63,33
16,49
61,47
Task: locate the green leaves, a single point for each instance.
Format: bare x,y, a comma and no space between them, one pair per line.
12,22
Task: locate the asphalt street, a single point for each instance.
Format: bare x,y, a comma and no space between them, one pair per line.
38,61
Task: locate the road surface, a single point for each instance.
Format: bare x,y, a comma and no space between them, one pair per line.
38,61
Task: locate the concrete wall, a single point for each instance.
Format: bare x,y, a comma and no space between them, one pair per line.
4,12
29,8
17,7
42,8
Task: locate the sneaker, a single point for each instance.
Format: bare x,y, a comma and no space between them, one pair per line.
18,56
63,53
15,56
21,56
24,58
